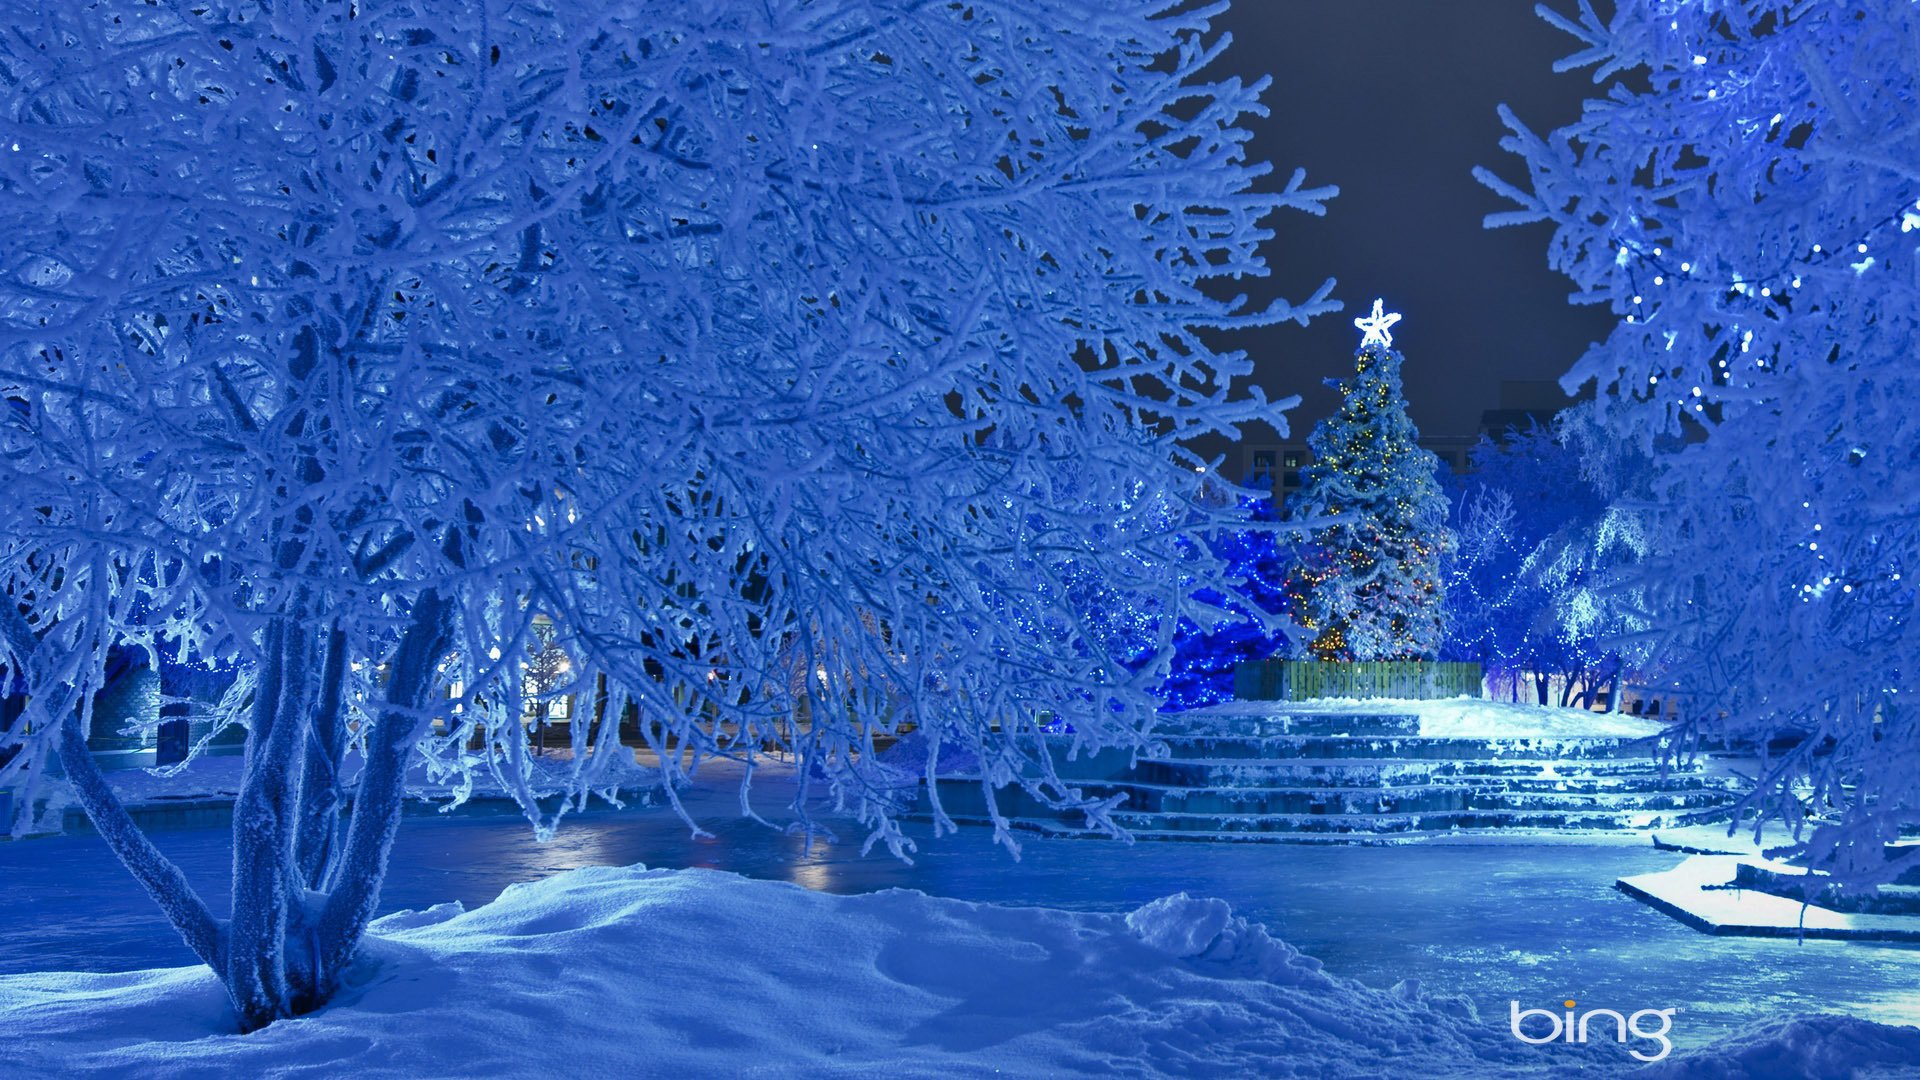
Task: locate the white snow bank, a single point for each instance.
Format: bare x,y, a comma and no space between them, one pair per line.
1461,717
1474,718
1812,1046
633,972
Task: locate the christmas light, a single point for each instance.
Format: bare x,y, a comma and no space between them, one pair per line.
1367,587
1375,327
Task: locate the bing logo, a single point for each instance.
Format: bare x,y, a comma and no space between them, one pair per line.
1650,1024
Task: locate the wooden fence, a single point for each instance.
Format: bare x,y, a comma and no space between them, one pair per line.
1303,680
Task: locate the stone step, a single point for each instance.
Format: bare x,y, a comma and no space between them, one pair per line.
1062,831
1281,723
1364,777
1439,822
1607,785
1287,747
1153,798
1677,800
1391,772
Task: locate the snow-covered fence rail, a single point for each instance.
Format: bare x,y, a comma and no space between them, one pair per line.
1302,680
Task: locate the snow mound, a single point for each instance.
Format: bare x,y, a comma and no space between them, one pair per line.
1803,1048
635,972
1179,925
630,971
415,919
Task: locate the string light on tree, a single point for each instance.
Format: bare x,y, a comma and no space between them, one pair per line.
1368,585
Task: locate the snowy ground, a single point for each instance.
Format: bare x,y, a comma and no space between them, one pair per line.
626,971
1493,922
1461,717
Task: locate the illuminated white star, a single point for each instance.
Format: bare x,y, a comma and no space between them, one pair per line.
1375,327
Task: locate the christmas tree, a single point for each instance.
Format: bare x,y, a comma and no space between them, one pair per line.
1367,584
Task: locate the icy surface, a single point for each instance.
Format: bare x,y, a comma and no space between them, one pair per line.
1460,717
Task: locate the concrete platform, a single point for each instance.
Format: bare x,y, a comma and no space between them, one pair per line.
1697,893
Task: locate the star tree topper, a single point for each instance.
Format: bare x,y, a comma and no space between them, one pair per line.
1375,327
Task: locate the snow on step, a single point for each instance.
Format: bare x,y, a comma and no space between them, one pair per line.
1274,770
1389,772
1697,893
1187,747
1457,717
1403,798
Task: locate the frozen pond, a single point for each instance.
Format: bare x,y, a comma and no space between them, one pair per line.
1535,922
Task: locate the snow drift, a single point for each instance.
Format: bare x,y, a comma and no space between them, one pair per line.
636,972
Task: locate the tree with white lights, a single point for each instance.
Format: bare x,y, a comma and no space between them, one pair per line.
1743,198
1367,584
1539,585
345,344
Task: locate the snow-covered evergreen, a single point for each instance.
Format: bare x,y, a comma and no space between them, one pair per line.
1741,193
755,348
1367,584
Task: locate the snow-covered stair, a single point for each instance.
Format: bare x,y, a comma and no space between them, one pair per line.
1368,775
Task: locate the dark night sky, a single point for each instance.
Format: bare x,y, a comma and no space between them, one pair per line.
1393,100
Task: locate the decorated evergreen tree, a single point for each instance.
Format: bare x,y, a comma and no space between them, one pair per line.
1367,584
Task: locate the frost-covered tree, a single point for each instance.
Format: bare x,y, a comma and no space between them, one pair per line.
344,344
1491,607
1367,584
1742,194
547,674
1539,585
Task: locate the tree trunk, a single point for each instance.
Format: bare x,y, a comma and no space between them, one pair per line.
154,871
175,739
266,979
287,942
1540,680
599,713
380,793
320,780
